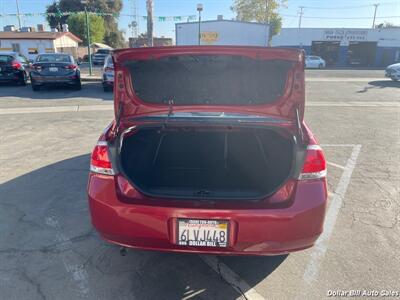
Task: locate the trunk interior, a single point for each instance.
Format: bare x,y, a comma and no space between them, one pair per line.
210,163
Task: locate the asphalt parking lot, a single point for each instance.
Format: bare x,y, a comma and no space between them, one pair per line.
48,249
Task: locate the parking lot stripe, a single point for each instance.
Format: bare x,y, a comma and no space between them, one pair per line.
346,79
320,248
232,278
353,104
53,109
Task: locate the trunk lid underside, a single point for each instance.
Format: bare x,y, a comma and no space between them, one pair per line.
246,80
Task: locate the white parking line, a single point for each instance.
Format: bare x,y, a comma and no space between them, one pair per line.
78,272
320,248
352,104
346,79
54,109
232,278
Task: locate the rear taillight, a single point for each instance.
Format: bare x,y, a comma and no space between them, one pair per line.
71,67
36,67
100,160
314,163
16,65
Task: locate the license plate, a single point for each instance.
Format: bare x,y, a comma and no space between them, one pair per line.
53,69
203,233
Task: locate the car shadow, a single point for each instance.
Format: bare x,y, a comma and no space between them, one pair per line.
45,219
379,84
385,83
90,90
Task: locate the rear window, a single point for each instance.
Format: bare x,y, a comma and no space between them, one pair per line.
54,58
103,51
209,79
6,58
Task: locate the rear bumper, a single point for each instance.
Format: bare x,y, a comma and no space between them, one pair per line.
40,80
108,80
252,231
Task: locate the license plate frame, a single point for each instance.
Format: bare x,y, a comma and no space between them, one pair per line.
202,233
53,69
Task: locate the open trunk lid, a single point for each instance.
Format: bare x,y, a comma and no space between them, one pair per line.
228,79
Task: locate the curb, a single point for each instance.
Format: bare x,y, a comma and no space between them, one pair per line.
90,78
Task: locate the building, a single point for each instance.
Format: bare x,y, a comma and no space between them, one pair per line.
342,47
142,42
222,32
32,43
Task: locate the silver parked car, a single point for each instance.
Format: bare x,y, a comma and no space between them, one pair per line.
108,74
393,72
99,57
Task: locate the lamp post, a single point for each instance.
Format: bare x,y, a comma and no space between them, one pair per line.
199,9
84,2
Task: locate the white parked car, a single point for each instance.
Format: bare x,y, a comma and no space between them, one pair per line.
314,62
108,74
393,72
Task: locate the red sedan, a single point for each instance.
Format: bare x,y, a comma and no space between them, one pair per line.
209,153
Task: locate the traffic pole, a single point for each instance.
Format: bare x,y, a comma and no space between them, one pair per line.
88,41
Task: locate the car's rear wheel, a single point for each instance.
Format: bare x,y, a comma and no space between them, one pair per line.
320,66
35,87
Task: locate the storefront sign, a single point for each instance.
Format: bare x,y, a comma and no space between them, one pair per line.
345,35
33,50
209,37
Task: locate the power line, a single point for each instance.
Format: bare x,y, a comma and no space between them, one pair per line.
348,7
339,18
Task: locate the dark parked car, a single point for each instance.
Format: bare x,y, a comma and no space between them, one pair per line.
14,68
100,55
108,74
55,69
209,153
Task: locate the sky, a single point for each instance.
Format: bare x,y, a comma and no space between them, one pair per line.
316,13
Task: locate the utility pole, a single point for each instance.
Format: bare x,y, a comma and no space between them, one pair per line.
298,31
376,7
300,16
18,15
199,9
149,5
268,23
88,36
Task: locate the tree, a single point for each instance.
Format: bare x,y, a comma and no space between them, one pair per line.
262,11
77,25
112,35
